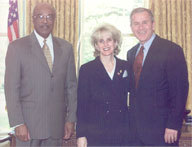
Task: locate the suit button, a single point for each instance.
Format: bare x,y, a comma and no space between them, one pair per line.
107,111
120,111
107,103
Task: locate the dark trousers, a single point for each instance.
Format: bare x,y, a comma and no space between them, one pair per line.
136,140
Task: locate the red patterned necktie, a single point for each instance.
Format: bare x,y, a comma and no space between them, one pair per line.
137,66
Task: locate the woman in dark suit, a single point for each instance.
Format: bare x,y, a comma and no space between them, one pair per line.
102,92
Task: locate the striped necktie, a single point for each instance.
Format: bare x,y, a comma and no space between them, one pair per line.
137,66
47,54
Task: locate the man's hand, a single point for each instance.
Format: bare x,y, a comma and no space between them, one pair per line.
22,133
170,135
82,142
69,130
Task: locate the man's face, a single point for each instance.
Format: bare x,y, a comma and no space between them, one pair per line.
43,20
142,26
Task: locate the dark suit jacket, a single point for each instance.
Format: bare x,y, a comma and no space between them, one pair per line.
36,97
159,101
102,102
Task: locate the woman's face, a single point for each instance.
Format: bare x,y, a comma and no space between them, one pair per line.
106,45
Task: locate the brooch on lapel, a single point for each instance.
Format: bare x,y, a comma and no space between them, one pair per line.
125,73
118,73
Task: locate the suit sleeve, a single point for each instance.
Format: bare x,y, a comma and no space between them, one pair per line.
82,104
12,86
71,88
178,87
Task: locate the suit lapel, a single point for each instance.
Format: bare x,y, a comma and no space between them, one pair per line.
57,53
119,70
100,70
102,73
133,54
132,59
148,60
150,57
37,51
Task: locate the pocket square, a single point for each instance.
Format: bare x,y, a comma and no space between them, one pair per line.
125,74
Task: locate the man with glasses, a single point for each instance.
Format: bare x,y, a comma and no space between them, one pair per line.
40,84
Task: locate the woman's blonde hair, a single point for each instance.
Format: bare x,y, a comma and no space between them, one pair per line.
115,34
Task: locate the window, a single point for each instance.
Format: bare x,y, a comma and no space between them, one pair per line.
4,7
94,13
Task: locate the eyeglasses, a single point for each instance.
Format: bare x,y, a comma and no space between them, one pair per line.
47,17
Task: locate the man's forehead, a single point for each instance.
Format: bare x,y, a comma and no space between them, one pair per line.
43,8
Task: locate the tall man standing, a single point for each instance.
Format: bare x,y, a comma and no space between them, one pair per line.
40,84
159,85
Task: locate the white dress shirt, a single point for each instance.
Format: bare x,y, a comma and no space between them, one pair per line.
49,42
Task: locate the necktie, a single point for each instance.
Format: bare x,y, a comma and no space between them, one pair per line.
47,54
137,66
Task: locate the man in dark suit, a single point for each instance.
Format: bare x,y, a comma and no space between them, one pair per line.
159,85
40,84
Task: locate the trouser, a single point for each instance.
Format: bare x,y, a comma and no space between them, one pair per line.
137,141
39,142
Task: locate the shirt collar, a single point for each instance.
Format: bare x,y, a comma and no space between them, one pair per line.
148,43
41,39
